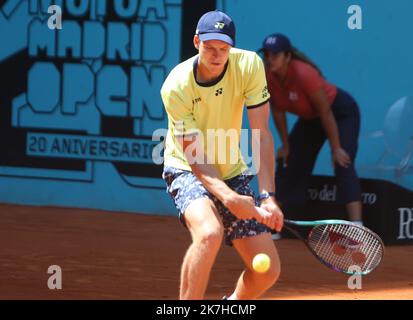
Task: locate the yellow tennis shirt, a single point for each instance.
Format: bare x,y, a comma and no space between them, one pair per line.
212,110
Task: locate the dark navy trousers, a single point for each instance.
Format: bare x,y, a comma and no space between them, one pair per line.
306,139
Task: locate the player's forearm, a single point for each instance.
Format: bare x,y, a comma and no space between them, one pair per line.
206,172
266,169
212,181
241,206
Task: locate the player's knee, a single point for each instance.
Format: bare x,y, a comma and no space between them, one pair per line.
271,276
211,236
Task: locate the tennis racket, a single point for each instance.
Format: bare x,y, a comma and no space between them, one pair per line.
341,245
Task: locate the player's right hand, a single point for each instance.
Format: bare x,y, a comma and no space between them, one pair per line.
271,214
243,207
273,220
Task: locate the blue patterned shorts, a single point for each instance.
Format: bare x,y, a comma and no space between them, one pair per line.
184,188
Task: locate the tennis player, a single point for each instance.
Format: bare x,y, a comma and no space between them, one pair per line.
214,199
324,112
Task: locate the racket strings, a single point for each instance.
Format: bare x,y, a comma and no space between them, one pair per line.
342,246
333,237
326,239
374,253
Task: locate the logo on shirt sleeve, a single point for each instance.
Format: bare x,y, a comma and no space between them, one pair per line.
265,92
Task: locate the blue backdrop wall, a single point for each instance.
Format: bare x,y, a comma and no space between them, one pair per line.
78,106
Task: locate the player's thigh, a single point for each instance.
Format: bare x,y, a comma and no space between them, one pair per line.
203,220
249,247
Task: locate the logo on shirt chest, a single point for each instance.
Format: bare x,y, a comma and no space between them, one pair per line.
293,96
218,92
196,100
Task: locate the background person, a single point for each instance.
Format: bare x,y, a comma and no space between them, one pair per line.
324,112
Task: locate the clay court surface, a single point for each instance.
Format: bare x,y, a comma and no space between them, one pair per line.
105,255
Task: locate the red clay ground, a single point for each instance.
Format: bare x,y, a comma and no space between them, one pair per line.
105,255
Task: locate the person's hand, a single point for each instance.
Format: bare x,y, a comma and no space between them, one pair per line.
270,214
283,153
341,157
243,207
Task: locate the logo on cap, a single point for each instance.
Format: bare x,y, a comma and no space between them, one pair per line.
276,43
271,40
216,25
219,25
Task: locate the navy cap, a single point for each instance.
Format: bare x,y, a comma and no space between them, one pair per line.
275,43
216,25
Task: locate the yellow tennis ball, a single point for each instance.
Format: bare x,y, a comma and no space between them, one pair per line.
261,263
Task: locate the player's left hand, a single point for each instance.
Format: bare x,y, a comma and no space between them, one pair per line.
275,218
